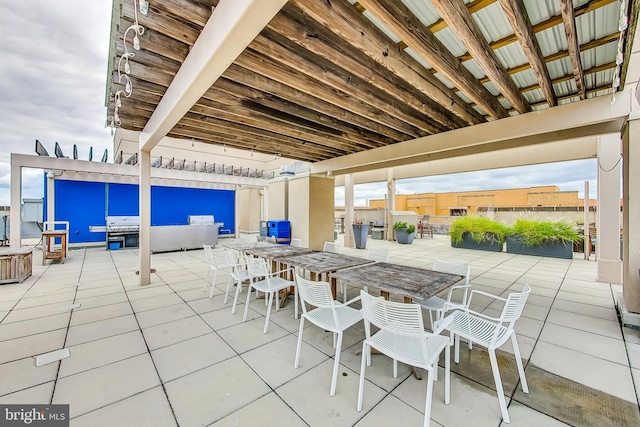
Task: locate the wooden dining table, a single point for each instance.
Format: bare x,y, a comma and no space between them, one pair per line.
410,282
320,262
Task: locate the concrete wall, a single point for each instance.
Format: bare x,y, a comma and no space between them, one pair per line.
278,199
250,208
311,209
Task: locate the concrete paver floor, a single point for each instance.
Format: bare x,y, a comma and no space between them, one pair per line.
166,354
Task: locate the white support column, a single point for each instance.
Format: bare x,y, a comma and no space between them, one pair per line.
587,245
631,224
391,196
51,199
608,210
16,204
144,240
349,240
236,212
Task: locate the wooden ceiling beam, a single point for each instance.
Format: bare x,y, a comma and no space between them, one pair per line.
241,116
399,19
569,22
565,53
519,20
544,25
315,39
372,133
259,82
348,24
473,7
234,136
468,32
265,66
351,86
320,120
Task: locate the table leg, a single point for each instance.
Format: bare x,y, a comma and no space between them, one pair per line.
334,287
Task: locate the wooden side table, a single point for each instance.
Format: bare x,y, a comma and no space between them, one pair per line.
48,241
15,265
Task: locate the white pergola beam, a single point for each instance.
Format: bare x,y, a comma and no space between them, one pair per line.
590,117
232,26
574,149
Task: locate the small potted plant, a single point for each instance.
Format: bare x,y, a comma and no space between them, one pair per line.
478,232
542,238
404,232
360,232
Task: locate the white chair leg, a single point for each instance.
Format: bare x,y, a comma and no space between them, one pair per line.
266,321
427,404
206,279
215,277
456,357
336,365
363,362
246,307
226,293
395,368
516,352
498,381
235,298
295,298
447,374
299,346
334,339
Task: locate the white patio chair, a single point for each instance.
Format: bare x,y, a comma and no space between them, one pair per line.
262,279
238,273
296,243
437,304
374,254
331,247
329,315
215,267
402,337
492,333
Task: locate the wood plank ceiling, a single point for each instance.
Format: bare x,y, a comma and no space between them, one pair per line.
328,78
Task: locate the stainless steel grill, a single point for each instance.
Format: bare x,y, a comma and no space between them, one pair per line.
123,224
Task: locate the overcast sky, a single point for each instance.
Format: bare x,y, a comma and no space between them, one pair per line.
53,67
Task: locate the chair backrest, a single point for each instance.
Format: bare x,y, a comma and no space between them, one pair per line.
378,254
272,239
296,243
514,305
425,219
208,252
398,318
232,259
453,268
331,247
257,267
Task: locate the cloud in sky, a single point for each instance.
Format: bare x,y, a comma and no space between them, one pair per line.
52,79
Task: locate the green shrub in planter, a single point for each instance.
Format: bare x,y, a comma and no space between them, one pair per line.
543,238
404,232
479,228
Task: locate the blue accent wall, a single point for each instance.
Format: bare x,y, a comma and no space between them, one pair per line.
172,205
88,203
123,199
82,204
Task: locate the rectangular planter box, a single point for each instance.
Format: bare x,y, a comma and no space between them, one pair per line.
469,243
15,265
553,250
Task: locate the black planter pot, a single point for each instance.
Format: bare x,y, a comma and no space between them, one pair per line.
469,243
556,249
402,236
360,232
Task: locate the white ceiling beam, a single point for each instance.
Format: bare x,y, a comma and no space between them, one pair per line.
232,26
573,149
580,119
